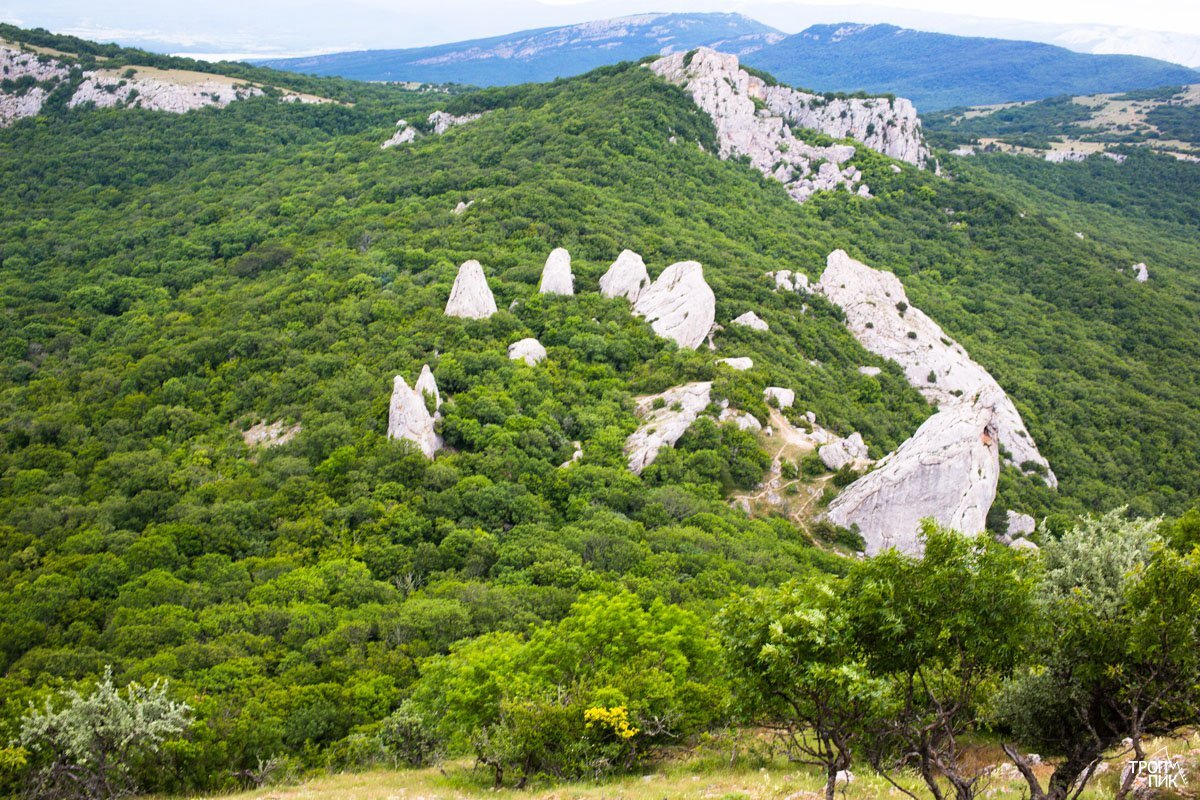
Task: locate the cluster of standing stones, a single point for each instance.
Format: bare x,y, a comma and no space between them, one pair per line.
948,469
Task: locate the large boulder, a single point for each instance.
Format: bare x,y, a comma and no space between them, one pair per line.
783,397
677,408
948,471
470,297
627,277
741,364
880,316
852,450
1019,524
751,320
679,305
556,275
409,418
528,350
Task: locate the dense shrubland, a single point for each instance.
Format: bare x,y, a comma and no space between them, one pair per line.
170,280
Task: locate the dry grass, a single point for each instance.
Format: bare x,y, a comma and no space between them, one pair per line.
699,777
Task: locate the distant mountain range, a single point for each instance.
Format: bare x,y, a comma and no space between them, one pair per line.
934,70
543,54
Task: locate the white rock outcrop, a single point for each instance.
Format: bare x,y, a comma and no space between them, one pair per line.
879,315
440,121
270,434
744,421
948,471
732,98
471,297
556,275
404,134
679,305
783,397
1024,544
1019,524
852,450
627,277
1141,273
751,320
678,408
741,364
528,350
788,281
427,385
409,417
870,372
462,206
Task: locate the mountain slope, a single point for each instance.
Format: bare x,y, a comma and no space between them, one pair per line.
938,71
170,282
544,54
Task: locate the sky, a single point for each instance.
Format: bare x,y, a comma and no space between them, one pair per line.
297,27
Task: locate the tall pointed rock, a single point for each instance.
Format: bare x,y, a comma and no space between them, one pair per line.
556,275
470,297
627,277
679,305
409,418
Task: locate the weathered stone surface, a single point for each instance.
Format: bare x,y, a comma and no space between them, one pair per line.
679,305
744,421
751,320
880,317
788,281
409,418
440,121
404,134
870,372
728,94
575,456
1024,544
462,206
1140,273
784,397
741,364
528,350
663,426
1019,524
270,434
948,470
556,275
852,450
470,297
427,385
627,277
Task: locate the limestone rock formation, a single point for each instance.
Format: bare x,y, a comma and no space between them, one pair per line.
556,275
462,206
852,450
879,315
1140,273
751,320
663,426
1024,544
528,350
784,397
732,98
679,305
948,470
788,281
470,297
1019,524
627,277
741,364
870,372
409,418
744,421
270,434
404,134
575,456
440,121
427,385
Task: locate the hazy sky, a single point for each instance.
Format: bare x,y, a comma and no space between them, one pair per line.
303,26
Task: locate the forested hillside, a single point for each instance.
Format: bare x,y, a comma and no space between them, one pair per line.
169,281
